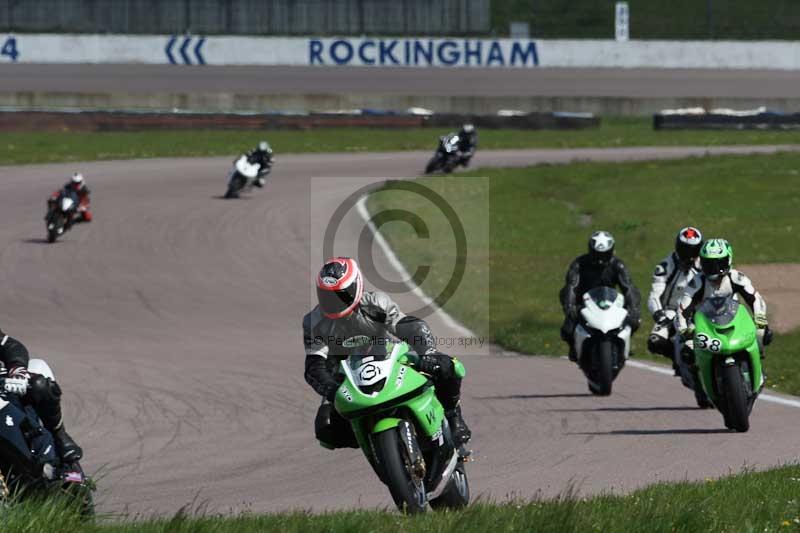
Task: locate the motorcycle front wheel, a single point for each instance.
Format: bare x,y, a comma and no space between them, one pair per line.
407,492
737,412
602,369
432,165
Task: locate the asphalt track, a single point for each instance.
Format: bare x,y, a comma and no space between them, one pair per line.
282,80
173,323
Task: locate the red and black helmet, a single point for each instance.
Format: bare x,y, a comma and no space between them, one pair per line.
339,287
688,244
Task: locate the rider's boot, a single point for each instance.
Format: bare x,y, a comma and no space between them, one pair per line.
458,427
66,446
449,393
45,395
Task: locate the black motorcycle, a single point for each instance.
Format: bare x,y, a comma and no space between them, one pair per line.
29,465
447,156
244,176
60,212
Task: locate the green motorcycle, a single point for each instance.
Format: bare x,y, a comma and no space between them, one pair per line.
728,358
401,427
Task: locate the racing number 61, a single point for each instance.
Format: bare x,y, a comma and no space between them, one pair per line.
10,49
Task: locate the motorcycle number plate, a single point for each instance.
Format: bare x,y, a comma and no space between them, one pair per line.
369,373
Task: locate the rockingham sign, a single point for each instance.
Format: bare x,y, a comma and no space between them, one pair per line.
423,52
388,52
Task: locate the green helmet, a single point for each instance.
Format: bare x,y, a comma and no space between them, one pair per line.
716,258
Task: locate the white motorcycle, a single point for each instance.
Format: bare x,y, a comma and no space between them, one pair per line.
60,212
446,158
244,176
602,338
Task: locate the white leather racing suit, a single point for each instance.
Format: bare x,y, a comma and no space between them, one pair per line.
670,281
734,282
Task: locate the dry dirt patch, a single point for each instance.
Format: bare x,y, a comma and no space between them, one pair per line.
779,284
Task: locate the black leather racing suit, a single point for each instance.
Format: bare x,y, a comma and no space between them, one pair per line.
467,142
260,157
263,158
43,394
376,316
584,274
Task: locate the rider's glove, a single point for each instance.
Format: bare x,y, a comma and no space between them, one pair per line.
761,320
436,364
687,333
16,381
661,318
429,364
767,336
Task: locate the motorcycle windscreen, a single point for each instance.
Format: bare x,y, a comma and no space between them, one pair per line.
720,310
245,168
605,297
365,363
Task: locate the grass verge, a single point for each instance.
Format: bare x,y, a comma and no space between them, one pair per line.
539,219
763,501
52,147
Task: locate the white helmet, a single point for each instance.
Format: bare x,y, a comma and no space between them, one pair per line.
601,247
77,178
467,128
264,147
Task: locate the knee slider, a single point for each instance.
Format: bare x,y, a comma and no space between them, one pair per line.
43,390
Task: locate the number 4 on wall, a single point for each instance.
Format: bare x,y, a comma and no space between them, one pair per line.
10,49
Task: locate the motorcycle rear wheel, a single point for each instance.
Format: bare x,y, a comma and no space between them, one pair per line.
408,494
235,186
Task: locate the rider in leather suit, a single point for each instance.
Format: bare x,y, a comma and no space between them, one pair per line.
670,280
43,394
598,268
346,310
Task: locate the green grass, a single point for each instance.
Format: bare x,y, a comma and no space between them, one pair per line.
51,147
766,501
526,225
652,19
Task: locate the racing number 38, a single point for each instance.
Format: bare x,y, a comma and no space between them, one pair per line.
9,49
704,342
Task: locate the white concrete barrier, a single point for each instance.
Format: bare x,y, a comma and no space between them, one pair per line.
397,52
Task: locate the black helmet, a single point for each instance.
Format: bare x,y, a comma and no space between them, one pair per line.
601,247
688,244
